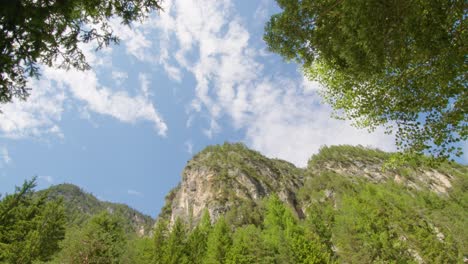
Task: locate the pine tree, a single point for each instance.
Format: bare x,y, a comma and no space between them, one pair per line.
219,242
247,246
197,240
159,239
31,226
278,220
175,245
102,240
286,240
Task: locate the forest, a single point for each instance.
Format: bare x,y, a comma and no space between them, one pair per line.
346,219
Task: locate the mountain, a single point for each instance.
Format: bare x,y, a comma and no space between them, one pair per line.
231,177
81,206
234,205
345,196
226,177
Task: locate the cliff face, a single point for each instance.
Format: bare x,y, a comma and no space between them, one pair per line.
224,178
368,164
221,178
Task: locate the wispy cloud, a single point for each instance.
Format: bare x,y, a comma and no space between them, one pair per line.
48,179
42,112
37,116
282,117
5,158
135,193
119,77
189,147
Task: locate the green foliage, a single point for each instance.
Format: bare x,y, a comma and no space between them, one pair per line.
197,240
167,208
247,246
286,241
159,237
101,240
49,32
229,161
346,154
347,219
141,250
175,245
219,242
30,226
386,222
401,64
80,206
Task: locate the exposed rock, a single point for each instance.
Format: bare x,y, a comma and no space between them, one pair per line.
222,177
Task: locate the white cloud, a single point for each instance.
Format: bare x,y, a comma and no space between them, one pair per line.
189,147
5,158
261,13
42,112
135,193
38,115
288,126
48,179
85,86
144,84
282,118
119,77
135,40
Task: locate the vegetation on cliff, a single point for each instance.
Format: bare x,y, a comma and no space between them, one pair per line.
353,211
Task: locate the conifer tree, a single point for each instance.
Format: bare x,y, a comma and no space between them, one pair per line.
278,220
102,240
197,240
219,242
285,239
31,226
159,238
175,244
247,246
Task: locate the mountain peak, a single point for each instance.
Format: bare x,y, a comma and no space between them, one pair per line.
224,178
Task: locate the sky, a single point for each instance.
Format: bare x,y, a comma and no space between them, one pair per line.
196,74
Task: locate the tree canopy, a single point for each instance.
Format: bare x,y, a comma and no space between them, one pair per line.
31,226
50,32
401,64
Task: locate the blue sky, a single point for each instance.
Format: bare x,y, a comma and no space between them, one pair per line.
194,75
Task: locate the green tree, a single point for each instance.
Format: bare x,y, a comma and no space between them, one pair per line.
49,32
383,223
219,242
159,239
286,241
102,241
400,64
141,250
175,244
277,220
247,246
31,226
197,240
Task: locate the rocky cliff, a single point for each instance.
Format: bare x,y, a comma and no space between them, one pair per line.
231,178
227,177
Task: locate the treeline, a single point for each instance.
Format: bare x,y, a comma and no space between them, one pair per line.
348,220
33,230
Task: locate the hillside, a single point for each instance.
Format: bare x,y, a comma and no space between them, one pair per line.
360,211
231,177
81,206
234,205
